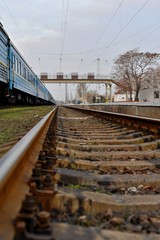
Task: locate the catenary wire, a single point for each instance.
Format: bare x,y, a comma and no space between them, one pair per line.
126,25
63,37
105,28
18,29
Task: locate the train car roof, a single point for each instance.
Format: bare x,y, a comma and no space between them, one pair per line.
2,29
12,44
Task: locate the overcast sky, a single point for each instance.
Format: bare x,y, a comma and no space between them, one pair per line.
70,35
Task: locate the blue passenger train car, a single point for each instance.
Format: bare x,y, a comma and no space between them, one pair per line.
18,83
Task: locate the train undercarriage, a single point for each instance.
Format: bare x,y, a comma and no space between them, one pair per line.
16,97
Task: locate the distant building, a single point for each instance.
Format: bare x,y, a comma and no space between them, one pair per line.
150,94
120,96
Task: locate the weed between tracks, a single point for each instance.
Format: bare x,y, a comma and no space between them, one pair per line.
111,189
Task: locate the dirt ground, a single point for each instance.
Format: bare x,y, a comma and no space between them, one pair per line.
14,121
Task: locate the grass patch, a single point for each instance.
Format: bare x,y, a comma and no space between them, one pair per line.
20,119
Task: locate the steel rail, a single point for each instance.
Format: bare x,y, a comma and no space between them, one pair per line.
152,124
10,161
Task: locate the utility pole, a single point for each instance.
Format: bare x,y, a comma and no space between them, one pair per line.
98,68
66,92
98,74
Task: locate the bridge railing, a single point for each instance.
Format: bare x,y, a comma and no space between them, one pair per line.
47,76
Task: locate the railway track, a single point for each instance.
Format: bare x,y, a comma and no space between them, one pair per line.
95,176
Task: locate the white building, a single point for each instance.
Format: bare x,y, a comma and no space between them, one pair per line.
122,97
150,95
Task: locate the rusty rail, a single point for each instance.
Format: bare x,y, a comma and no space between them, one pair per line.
77,154
15,169
151,124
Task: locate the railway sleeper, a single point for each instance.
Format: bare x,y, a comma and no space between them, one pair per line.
86,202
108,167
108,156
105,135
102,148
86,195
89,141
69,176
103,131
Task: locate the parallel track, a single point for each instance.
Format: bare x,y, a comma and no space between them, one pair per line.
96,177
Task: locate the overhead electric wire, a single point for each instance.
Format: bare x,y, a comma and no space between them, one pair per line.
101,48
18,29
148,34
158,46
62,17
105,28
126,25
137,33
123,28
63,33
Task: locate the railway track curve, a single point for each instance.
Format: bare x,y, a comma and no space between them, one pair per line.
92,176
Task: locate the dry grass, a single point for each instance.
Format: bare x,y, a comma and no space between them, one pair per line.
14,121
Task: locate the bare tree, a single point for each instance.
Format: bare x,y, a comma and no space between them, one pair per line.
81,90
132,70
90,95
156,77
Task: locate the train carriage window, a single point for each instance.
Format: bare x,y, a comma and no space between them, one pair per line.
20,69
24,72
13,61
16,65
31,79
34,80
27,75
